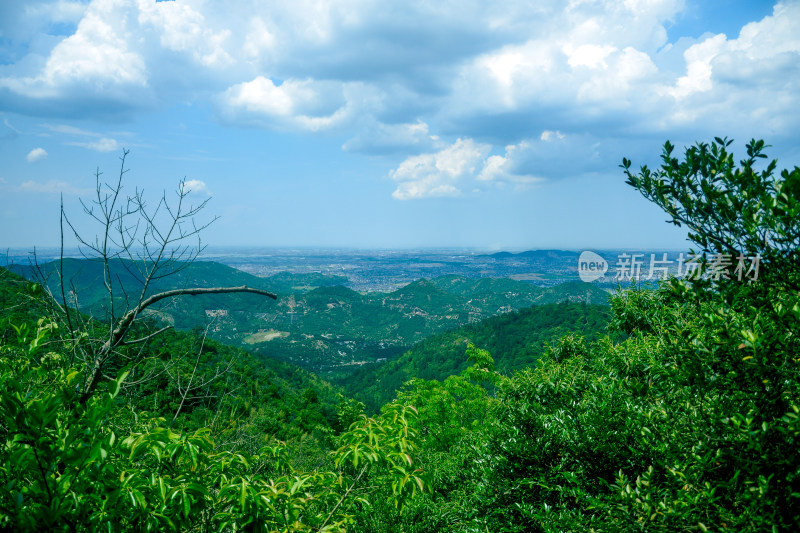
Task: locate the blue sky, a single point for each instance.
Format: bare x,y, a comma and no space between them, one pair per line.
369,124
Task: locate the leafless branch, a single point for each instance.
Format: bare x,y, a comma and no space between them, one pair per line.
122,328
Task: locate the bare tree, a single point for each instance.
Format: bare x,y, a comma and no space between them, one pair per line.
150,243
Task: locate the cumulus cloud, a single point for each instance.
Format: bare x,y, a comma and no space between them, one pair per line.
301,104
463,164
121,56
749,82
586,76
183,29
408,79
439,174
468,165
507,168
548,135
37,154
194,187
97,57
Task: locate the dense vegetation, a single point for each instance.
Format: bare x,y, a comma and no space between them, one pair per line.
187,374
690,422
187,437
515,340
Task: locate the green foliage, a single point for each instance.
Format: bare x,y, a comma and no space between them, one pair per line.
452,416
692,422
515,339
728,208
239,396
666,431
68,465
21,301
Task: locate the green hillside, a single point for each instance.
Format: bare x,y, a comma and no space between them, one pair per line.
315,323
335,331
515,340
272,397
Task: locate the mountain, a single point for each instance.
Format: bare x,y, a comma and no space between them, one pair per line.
86,277
315,323
86,289
335,331
535,254
515,340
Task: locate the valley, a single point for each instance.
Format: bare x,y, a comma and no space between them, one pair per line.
319,322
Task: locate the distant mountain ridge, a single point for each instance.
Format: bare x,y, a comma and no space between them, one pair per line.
535,254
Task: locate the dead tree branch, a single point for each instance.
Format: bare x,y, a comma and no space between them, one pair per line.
117,337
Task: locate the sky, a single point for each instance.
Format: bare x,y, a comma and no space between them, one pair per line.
384,124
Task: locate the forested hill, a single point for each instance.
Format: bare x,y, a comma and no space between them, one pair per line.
316,322
258,395
515,340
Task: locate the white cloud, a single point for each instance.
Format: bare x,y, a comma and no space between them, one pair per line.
262,96
438,174
37,154
588,55
181,28
457,167
195,187
97,55
548,135
746,86
260,41
698,67
505,168
592,69
301,104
